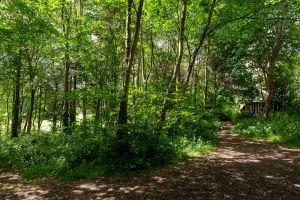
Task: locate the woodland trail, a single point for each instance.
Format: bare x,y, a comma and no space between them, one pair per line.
239,169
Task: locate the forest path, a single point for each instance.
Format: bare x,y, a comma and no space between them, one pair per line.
239,169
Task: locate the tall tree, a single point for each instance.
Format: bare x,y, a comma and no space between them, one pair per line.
130,50
167,105
66,17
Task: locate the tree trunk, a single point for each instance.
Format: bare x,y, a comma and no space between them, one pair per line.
206,86
143,76
84,109
40,109
16,102
200,43
206,74
66,107
270,75
73,104
7,110
31,105
167,104
54,111
97,116
129,58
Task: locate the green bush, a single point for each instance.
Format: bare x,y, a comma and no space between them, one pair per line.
225,110
94,149
193,124
280,128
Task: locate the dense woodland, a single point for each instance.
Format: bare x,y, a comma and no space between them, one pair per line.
114,86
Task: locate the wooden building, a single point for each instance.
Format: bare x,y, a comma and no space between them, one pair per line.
254,107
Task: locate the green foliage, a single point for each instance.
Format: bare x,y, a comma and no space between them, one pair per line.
46,37
281,128
193,124
225,110
87,153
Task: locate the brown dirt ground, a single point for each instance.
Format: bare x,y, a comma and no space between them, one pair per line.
239,169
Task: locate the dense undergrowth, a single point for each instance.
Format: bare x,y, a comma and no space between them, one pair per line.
281,128
91,152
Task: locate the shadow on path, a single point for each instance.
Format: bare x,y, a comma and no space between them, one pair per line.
240,169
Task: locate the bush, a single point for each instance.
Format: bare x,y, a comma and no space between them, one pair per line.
95,149
196,124
225,110
280,128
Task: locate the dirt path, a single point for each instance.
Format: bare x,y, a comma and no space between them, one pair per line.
240,169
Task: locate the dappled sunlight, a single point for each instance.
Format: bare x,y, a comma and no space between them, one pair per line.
159,179
25,193
91,187
9,176
238,169
33,193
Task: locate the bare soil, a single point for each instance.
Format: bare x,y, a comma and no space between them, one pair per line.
239,169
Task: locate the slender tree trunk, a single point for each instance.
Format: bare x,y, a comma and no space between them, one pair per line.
7,110
216,90
129,58
22,100
97,116
196,78
138,84
143,76
206,75
206,85
40,109
74,103
54,111
201,42
167,104
84,109
66,15
16,102
152,63
31,105
97,111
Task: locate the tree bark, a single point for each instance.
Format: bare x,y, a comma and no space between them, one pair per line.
74,103
167,104
84,109
201,42
66,106
16,102
40,108
129,58
270,74
54,111
32,98
7,110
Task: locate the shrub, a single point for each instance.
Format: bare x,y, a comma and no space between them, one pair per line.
280,128
91,152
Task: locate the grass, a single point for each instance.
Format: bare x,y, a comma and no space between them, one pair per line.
197,148
281,128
